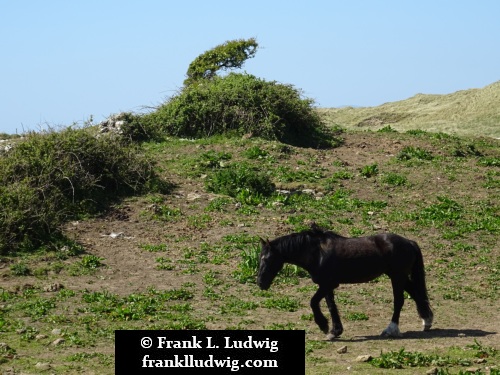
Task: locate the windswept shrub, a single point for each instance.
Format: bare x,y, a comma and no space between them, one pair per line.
240,104
52,177
229,55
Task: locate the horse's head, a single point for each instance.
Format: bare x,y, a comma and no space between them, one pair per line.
270,263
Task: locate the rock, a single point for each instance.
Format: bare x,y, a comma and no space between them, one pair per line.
480,360
56,332
40,337
342,350
58,341
432,371
53,287
363,358
284,192
193,196
113,124
42,366
472,370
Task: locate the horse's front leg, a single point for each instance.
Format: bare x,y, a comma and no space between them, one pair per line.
319,318
334,313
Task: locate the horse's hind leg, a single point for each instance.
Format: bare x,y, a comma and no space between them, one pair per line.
423,306
334,313
398,284
319,318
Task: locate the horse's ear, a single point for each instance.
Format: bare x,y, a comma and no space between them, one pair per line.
264,242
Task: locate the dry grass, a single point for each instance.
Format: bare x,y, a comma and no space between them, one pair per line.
467,112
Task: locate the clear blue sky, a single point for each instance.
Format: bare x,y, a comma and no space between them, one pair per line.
62,61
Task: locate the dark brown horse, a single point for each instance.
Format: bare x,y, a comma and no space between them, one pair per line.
332,259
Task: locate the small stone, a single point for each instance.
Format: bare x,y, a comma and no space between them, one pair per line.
472,369
56,332
342,350
40,337
364,358
42,366
461,335
193,196
21,331
480,360
58,341
53,287
432,371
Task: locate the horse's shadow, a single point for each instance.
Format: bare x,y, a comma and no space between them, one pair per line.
431,334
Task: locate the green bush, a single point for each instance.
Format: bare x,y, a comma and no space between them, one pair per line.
410,152
51,177
240,104
238,178
229,55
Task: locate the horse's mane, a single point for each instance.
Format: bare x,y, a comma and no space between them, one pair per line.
312,236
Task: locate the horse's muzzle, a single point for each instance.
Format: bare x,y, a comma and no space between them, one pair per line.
263,285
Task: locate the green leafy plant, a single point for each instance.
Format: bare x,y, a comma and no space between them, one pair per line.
20,269
410,152
249,265
237,178
395,179
164,264
401,358
356,316
91,261
154,248
369,170
213,160
282,303
255,152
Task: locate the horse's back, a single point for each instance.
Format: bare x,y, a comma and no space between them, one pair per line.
362,259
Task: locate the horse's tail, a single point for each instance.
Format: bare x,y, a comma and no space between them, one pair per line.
420,289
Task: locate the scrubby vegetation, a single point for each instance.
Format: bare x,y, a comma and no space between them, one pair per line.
51,177
237,103
240,104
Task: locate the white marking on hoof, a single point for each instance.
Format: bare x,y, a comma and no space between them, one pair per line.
330,337
392,330
427,323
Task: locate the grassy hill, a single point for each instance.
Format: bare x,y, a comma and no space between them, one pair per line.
466,112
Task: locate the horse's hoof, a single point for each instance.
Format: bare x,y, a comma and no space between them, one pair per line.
391,331
427,323
338,331
330,337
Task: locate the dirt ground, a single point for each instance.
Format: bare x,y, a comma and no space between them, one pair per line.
118,235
